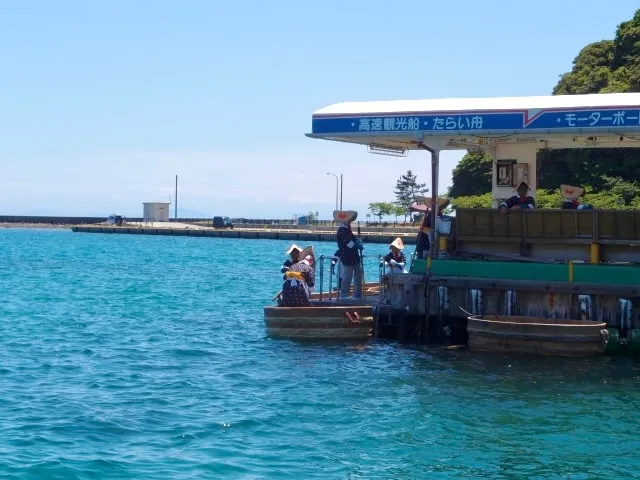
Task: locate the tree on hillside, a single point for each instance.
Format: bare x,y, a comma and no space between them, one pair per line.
608,66
407,189
472,175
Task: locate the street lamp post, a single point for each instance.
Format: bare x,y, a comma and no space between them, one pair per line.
337,187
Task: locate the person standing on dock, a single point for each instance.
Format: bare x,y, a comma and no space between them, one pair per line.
396,258
349,253
294,254
520,201
299,279
423,242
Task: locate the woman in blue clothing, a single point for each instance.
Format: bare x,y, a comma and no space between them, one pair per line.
396,258
520,201
571,196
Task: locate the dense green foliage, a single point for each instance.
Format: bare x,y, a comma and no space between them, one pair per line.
611,175
472,175
550,199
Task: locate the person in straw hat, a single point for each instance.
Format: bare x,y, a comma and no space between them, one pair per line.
571,198
294,254
423,242
520,201
349,253
300,278
396,258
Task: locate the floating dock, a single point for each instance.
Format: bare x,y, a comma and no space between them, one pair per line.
560,265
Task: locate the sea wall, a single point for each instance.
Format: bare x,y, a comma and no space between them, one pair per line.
56,220
251,224
302,236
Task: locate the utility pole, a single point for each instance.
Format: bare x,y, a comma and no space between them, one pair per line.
337,189
176,202
340,191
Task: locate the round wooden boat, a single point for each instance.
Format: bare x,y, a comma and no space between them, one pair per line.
541,336
335,322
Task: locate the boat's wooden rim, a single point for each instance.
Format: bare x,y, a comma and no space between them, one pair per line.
315,310
337,307
536,321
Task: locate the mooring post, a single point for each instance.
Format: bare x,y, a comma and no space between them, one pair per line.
571,277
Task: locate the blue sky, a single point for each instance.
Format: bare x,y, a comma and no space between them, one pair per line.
103,103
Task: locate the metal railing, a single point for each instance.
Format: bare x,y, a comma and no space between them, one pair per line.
382,270
335,294
321,260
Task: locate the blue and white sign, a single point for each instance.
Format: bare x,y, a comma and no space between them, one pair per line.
469,122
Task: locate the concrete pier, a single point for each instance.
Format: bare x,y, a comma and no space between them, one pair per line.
185,230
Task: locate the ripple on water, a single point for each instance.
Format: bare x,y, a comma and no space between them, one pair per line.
145,357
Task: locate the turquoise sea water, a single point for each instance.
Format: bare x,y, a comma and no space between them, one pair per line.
126,356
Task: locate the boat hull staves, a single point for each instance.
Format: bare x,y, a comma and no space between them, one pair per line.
539,336
339,322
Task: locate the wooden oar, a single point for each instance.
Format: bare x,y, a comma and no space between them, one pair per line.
277,295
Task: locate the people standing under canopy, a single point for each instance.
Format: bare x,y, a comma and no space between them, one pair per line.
423,242
520,201
349,253
396,258
571,198
294,253
300,280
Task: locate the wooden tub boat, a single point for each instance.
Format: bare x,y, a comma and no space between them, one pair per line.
533,335
353,322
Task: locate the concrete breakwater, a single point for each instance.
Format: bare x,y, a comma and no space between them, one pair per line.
264,233
9,220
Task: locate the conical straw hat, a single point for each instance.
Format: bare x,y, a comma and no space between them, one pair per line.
345,216
398,243
292,248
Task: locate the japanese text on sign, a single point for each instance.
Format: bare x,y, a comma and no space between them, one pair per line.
400,124
389,124
593,119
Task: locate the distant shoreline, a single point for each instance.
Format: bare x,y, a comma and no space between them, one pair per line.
48,226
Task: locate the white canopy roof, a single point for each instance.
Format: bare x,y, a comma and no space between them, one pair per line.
495,104
562,121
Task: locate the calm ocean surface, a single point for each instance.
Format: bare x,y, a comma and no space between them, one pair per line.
140,357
